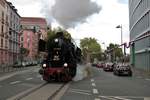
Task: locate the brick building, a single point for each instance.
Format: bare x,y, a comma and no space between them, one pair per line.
32,29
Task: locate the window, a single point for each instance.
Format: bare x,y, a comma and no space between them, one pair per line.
21,38
28,45
21,44
7,19
2,15
28,34
9,32
2,29
6,43
1,42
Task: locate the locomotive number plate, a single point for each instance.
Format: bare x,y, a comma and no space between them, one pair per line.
56,58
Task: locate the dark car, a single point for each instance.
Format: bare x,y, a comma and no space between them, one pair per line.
122,69
108,67
94,64
17,64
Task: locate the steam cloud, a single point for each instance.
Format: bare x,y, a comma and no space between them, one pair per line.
68,13
23,2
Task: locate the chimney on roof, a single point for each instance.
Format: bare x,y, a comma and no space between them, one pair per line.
9,3
15,10
13,7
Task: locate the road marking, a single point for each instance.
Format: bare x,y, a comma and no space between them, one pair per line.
147,98
109,98
97,99
93,84
121,98
15,82
95,91
39,76
92,80
29,78
79,92
147,79
28,84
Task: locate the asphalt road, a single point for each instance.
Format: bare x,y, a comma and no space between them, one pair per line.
106,86
19,82
99,85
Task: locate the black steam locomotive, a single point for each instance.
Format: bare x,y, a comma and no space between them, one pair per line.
61,62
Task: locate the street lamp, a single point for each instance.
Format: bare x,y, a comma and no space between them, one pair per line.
120,26
104,45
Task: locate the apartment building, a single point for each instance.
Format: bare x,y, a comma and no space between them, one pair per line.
9,33
33,29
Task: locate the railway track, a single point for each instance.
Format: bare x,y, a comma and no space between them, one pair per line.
45,91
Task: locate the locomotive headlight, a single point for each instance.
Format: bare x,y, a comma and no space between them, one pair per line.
56,40
65,64
44,65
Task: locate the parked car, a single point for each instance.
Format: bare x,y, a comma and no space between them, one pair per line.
100,65
24,64
122,69
94,64
108,67
17,64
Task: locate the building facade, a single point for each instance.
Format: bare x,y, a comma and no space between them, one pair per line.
9,33
139,17
32,30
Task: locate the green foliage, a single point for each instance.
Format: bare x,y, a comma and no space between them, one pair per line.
24,51
115,52
91,46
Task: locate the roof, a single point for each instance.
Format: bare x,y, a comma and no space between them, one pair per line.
33,20
12,7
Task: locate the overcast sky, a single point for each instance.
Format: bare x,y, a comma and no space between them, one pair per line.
82,18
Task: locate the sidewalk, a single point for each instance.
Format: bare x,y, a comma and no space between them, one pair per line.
140,73
9,70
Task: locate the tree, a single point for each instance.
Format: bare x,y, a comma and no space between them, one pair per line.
90,48
24,51
115,51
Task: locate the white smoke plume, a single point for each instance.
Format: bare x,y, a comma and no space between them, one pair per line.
69,13
83,71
